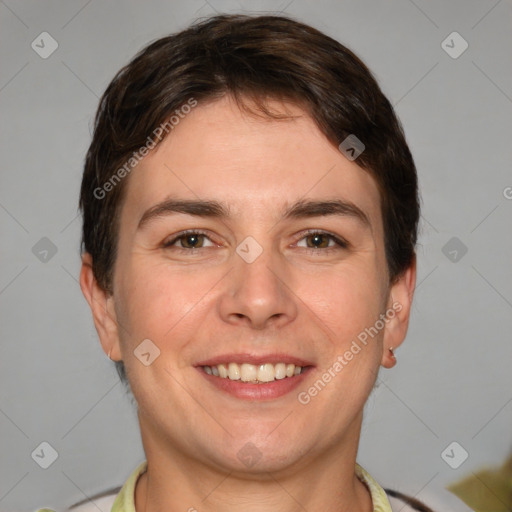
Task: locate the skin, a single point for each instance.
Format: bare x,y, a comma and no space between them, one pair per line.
294,298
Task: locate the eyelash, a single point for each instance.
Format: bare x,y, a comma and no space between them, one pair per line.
340,243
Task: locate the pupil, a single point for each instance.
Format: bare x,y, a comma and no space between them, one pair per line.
317,240
192,240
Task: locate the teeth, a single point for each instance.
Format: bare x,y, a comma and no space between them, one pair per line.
223,371
254,374
266,373
281,371
234,371
249,372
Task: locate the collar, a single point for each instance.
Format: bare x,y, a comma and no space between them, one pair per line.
379,498
125,501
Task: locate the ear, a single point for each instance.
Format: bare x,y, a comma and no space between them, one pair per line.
400,301
101,303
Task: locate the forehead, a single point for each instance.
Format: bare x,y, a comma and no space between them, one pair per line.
254,165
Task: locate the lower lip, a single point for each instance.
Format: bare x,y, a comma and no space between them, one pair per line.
264,391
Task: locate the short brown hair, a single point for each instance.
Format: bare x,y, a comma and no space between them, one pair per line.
256,57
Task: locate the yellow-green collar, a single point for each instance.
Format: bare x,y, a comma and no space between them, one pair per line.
125,499
379,498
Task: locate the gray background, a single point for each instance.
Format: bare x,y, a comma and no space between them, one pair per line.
452,381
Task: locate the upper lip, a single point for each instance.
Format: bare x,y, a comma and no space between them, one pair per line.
256,360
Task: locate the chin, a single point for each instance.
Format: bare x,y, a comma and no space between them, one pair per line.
253,456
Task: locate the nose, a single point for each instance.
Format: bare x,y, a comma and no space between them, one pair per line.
259,294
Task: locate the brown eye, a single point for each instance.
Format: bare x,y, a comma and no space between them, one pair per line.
318,241
315,240
191,240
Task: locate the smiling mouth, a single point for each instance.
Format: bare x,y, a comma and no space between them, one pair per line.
254,374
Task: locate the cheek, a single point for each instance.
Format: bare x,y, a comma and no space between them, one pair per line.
344,302
346,305
160,300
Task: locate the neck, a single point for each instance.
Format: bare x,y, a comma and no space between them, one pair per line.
174,481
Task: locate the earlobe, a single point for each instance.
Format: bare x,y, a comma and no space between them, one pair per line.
399,309
391,360
101,304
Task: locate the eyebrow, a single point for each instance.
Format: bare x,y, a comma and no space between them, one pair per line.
213,209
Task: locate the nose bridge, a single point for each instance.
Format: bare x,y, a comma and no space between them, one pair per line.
257,293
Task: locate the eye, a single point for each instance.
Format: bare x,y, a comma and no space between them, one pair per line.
188,240
320,240
314,240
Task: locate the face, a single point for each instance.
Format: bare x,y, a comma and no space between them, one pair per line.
255,244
